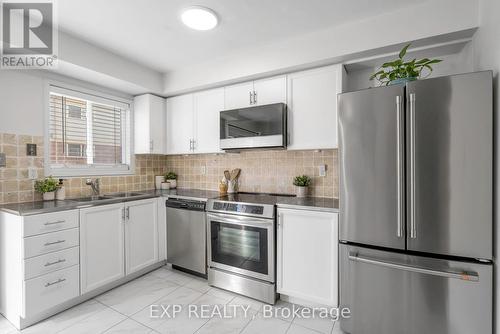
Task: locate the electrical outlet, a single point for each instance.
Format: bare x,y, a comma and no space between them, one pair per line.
32,173
3,160
203,170
322,170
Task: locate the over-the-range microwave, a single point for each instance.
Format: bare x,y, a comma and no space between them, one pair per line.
254,127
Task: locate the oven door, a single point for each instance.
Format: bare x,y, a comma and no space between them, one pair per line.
242,245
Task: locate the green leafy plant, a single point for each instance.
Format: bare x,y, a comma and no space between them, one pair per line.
170,176
46,186
302,181
399,69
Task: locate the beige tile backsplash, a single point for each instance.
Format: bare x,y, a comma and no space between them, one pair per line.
262,171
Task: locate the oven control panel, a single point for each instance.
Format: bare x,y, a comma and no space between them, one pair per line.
239,208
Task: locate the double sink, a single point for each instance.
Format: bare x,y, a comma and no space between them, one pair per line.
112,197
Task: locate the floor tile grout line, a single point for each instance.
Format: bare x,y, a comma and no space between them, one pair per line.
85,318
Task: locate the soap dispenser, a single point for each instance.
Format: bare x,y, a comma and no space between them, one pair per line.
61,191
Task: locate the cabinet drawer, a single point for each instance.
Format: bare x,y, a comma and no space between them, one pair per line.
50,222
49,290
44,264
50,242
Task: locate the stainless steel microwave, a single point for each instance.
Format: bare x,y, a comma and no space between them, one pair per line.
254,127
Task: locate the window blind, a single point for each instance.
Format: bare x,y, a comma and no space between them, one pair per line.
87,132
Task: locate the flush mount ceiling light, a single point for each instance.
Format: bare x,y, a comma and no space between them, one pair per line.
199,18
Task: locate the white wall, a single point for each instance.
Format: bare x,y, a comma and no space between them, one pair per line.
487,57
431,18
22,99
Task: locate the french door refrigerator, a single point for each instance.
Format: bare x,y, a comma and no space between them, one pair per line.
416,207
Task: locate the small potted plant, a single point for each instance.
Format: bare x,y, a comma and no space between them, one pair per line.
399,72
171,178
301,184
47,188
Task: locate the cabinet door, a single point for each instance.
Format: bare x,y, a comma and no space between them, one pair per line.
149,124
141,235
207,106
312,108
101,246
157,124
270,90
238,96
308,255
179,124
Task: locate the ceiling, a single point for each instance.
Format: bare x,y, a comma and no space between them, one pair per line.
149,32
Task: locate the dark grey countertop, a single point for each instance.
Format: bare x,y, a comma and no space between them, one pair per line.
309,203
40,207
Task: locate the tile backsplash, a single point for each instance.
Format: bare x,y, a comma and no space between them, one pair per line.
262,171
15,185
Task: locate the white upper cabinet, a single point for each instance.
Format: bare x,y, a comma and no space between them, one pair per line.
238,96
308,272
312,107
149,124
270,90
254,93
180,124
207,106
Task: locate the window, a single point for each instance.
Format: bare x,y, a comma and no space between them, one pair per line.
87,134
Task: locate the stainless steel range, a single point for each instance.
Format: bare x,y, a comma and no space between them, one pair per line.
242,245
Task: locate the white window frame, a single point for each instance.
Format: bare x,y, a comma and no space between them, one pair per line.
99,97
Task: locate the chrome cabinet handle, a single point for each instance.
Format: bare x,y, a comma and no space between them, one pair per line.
413,229
127,210
399,167
54,222
123,214
55,282
48,264
55,242
461,275
254,97
251,100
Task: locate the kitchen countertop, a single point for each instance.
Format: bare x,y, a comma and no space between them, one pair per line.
41,207
309,203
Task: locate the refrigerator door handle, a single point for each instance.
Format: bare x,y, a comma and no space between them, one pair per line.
399,167
462,275
413,229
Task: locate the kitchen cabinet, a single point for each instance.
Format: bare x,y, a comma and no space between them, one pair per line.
162,228
307,256
255,93
193,122
207,106
102,251
312,108
180,120
149,124
141,235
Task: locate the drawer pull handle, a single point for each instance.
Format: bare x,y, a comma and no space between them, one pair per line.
55,282
48,264
54,243
55,222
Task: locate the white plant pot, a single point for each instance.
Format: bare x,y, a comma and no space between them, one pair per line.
49,196
301,191
173,184
158,180
165,185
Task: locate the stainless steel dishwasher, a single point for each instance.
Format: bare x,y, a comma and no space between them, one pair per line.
186,235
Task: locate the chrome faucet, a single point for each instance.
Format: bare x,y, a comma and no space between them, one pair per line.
96,186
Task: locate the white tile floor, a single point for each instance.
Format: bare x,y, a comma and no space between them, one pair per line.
126,310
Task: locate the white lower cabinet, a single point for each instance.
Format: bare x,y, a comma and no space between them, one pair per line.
307,256
141,235
102,252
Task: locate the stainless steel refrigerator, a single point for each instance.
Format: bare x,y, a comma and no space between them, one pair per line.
416,207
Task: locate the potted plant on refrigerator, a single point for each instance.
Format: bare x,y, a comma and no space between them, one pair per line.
301,183
47,187
171,178
400,72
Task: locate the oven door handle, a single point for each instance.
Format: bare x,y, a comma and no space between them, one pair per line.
239,220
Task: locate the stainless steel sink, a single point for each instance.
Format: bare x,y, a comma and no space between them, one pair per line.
124,195
93,198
